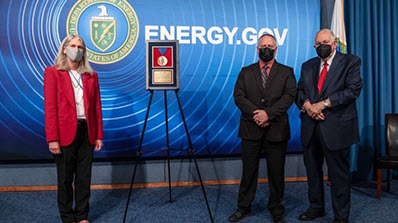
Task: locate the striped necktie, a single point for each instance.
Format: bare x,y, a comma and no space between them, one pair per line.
264,75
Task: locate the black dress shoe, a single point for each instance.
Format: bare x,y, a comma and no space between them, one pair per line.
238,215
278,218
340,220
310,215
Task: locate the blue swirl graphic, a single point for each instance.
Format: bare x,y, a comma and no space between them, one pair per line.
33,30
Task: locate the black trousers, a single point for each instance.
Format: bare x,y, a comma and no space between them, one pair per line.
275,153
74,165
338,171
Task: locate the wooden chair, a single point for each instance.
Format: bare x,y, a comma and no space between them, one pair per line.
390,161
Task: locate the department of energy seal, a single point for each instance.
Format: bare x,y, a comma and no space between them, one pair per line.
110,28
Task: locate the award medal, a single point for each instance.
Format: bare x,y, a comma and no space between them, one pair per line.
162,60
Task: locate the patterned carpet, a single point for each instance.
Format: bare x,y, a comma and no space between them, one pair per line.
151,205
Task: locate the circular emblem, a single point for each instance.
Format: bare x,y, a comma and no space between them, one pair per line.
162,61
109,28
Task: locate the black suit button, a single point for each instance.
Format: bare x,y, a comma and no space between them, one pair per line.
262,100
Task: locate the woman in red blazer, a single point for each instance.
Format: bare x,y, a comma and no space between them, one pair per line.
73,122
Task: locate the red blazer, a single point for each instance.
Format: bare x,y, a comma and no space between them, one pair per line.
60,107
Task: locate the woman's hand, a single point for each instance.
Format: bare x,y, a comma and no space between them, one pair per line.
54,147
98,145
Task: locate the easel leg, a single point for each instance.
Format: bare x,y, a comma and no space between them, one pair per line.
131,186
167,143
138,156
194,157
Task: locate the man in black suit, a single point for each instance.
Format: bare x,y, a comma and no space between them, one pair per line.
264,92
327,90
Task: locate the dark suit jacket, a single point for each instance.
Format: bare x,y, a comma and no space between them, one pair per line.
275,99
60,106
342,86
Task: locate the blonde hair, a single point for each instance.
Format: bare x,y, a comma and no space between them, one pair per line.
61,61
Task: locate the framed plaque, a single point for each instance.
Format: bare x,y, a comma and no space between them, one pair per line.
162,65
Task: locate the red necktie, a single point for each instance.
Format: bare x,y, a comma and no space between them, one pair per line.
322,77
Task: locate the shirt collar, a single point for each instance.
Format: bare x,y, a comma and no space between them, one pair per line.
330,60
269,64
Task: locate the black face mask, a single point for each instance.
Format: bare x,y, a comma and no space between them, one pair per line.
324,50
266,54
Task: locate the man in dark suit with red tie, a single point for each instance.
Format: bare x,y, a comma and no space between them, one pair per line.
327,90
264,92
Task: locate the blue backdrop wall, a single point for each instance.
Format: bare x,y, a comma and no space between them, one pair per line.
217,38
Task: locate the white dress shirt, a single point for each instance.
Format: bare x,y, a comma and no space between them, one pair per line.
77,84
329,61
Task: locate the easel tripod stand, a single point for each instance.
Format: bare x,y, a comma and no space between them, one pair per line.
191,150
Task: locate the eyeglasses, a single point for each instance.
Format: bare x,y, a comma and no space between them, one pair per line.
328,42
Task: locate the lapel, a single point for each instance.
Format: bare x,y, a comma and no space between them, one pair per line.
315,74
87,88
66,86
257,77
271,76
332,73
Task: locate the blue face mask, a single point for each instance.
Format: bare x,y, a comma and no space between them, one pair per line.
74,54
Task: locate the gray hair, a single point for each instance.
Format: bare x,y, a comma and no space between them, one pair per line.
332,36
61,61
